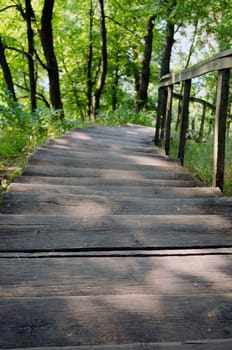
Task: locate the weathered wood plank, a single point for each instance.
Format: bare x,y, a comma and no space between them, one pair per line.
98,181
36,233
113,319
69,204
131,132
216,344
184,120
146,160
106,138
91,276
85,145
117,253
142,191
69,171
81,148
220,127
127,163
217,62
168,118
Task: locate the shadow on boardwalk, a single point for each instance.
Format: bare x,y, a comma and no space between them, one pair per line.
103,241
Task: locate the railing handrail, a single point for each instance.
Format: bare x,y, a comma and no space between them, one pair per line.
217,62
222,62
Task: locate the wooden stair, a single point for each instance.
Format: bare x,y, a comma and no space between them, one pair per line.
105,243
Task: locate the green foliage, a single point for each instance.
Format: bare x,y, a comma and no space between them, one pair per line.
199,159
21,131
124,115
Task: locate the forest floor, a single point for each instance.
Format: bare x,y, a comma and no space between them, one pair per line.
105,243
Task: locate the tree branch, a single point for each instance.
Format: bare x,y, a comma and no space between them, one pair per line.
8,7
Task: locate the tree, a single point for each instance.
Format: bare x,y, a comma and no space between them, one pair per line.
6,71
29,16
46,35
145,70
165,69
103,62
90,63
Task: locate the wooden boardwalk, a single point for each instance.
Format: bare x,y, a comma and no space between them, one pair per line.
107,244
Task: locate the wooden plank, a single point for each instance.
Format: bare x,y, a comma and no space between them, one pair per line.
107,138
161,108
73,233
217,344
132,131
168,120
197,100
150,159
145,154
92,276
80,205
184,120
85,145
128,163
88,181
117,253
138,191
220,128
97,181
221,61
67,171
113,319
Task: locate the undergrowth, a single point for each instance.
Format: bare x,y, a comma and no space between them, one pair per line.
199,159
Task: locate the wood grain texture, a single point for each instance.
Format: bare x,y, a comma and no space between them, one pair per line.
138,191
55,179
221,61
107,244
217,344
113,319
79,205
92,276
80,172
26,232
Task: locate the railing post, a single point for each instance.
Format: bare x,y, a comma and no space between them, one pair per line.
220,127
168,119
201,132
161,108
184,119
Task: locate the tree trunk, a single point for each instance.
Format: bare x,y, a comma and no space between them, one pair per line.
31,52
191,50
6,71
141,100
115,88
165,69
89,63
48,47
103,68
136,72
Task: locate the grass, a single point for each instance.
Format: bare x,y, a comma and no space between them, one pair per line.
199,159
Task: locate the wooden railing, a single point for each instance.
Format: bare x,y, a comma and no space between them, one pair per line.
221,63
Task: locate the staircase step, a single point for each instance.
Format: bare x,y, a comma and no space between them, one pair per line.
106,173
81,205
126,191
84,233
113,319
98,181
